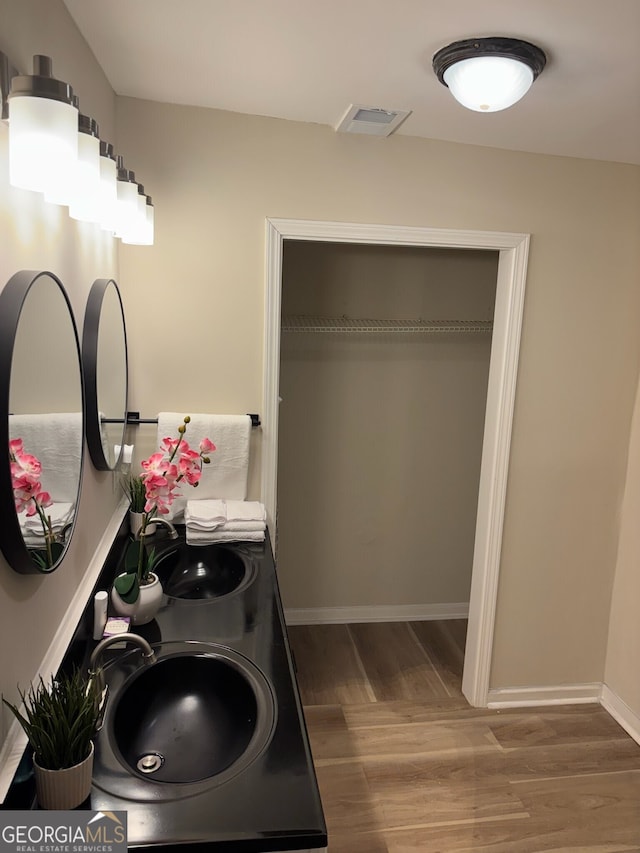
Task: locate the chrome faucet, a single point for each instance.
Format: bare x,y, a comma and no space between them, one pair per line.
148,656
64,531
173,533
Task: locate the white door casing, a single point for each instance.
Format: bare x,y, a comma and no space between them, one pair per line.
505,346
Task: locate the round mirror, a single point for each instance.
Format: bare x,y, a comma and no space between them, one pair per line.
105,366
41,421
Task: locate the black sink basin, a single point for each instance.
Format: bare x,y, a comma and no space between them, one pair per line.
202,572
191,717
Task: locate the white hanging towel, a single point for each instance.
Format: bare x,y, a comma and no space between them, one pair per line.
227,474
56,439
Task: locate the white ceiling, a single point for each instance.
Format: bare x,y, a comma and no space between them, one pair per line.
308,60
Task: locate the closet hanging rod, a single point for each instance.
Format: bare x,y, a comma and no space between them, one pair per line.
348,324
134,419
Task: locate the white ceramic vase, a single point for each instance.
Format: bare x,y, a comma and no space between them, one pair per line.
135,523
63,789
147,605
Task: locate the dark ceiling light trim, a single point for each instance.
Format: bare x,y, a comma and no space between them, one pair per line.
527,63
523,51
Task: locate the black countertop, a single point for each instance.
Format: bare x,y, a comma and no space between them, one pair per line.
271,805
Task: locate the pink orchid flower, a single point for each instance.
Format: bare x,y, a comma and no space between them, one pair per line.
207,446
160,488
30,464
155,464
187,453
43,499
189,466
15,446
161,475
24,489
28,494
168,444
173,462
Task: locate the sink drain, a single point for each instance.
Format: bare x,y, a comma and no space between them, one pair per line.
150,762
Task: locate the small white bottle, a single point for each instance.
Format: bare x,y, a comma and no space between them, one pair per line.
100,601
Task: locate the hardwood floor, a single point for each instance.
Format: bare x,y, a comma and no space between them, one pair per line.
404,764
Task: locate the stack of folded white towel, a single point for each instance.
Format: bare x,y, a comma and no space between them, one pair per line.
60,513
218,520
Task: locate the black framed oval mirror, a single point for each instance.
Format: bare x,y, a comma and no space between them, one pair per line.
41,421
105,367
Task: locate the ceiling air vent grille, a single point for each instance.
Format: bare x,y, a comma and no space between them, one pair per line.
372,121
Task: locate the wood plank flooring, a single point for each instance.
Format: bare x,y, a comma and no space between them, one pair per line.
404,764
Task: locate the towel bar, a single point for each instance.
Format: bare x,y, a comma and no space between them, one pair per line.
134,419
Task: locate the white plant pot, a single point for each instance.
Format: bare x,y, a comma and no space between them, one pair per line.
135,523
64,789
145,608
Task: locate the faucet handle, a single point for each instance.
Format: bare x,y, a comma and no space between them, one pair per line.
102,707
97,685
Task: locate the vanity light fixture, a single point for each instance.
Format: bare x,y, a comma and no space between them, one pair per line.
56,150
488,74
43,128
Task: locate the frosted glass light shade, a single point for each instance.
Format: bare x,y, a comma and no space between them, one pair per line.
43,142
85,185
108,191
150,232
142,234
126,207
488,74
488,83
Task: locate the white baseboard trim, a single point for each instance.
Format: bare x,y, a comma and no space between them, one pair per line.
376,613
527,697
16,739
621,712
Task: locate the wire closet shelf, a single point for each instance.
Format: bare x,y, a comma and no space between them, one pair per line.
298,323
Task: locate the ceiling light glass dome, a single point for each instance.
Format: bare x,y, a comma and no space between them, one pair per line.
491,74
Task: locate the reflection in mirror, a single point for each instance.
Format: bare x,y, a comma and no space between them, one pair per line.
104,362
41,421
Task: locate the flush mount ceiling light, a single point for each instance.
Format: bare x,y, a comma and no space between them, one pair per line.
488,74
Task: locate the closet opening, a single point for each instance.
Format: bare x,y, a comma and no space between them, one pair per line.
391,357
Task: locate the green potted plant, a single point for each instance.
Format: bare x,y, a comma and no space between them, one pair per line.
134,488
60,721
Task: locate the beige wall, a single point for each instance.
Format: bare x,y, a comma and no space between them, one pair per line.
37,236
623,650
380,435
195,303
